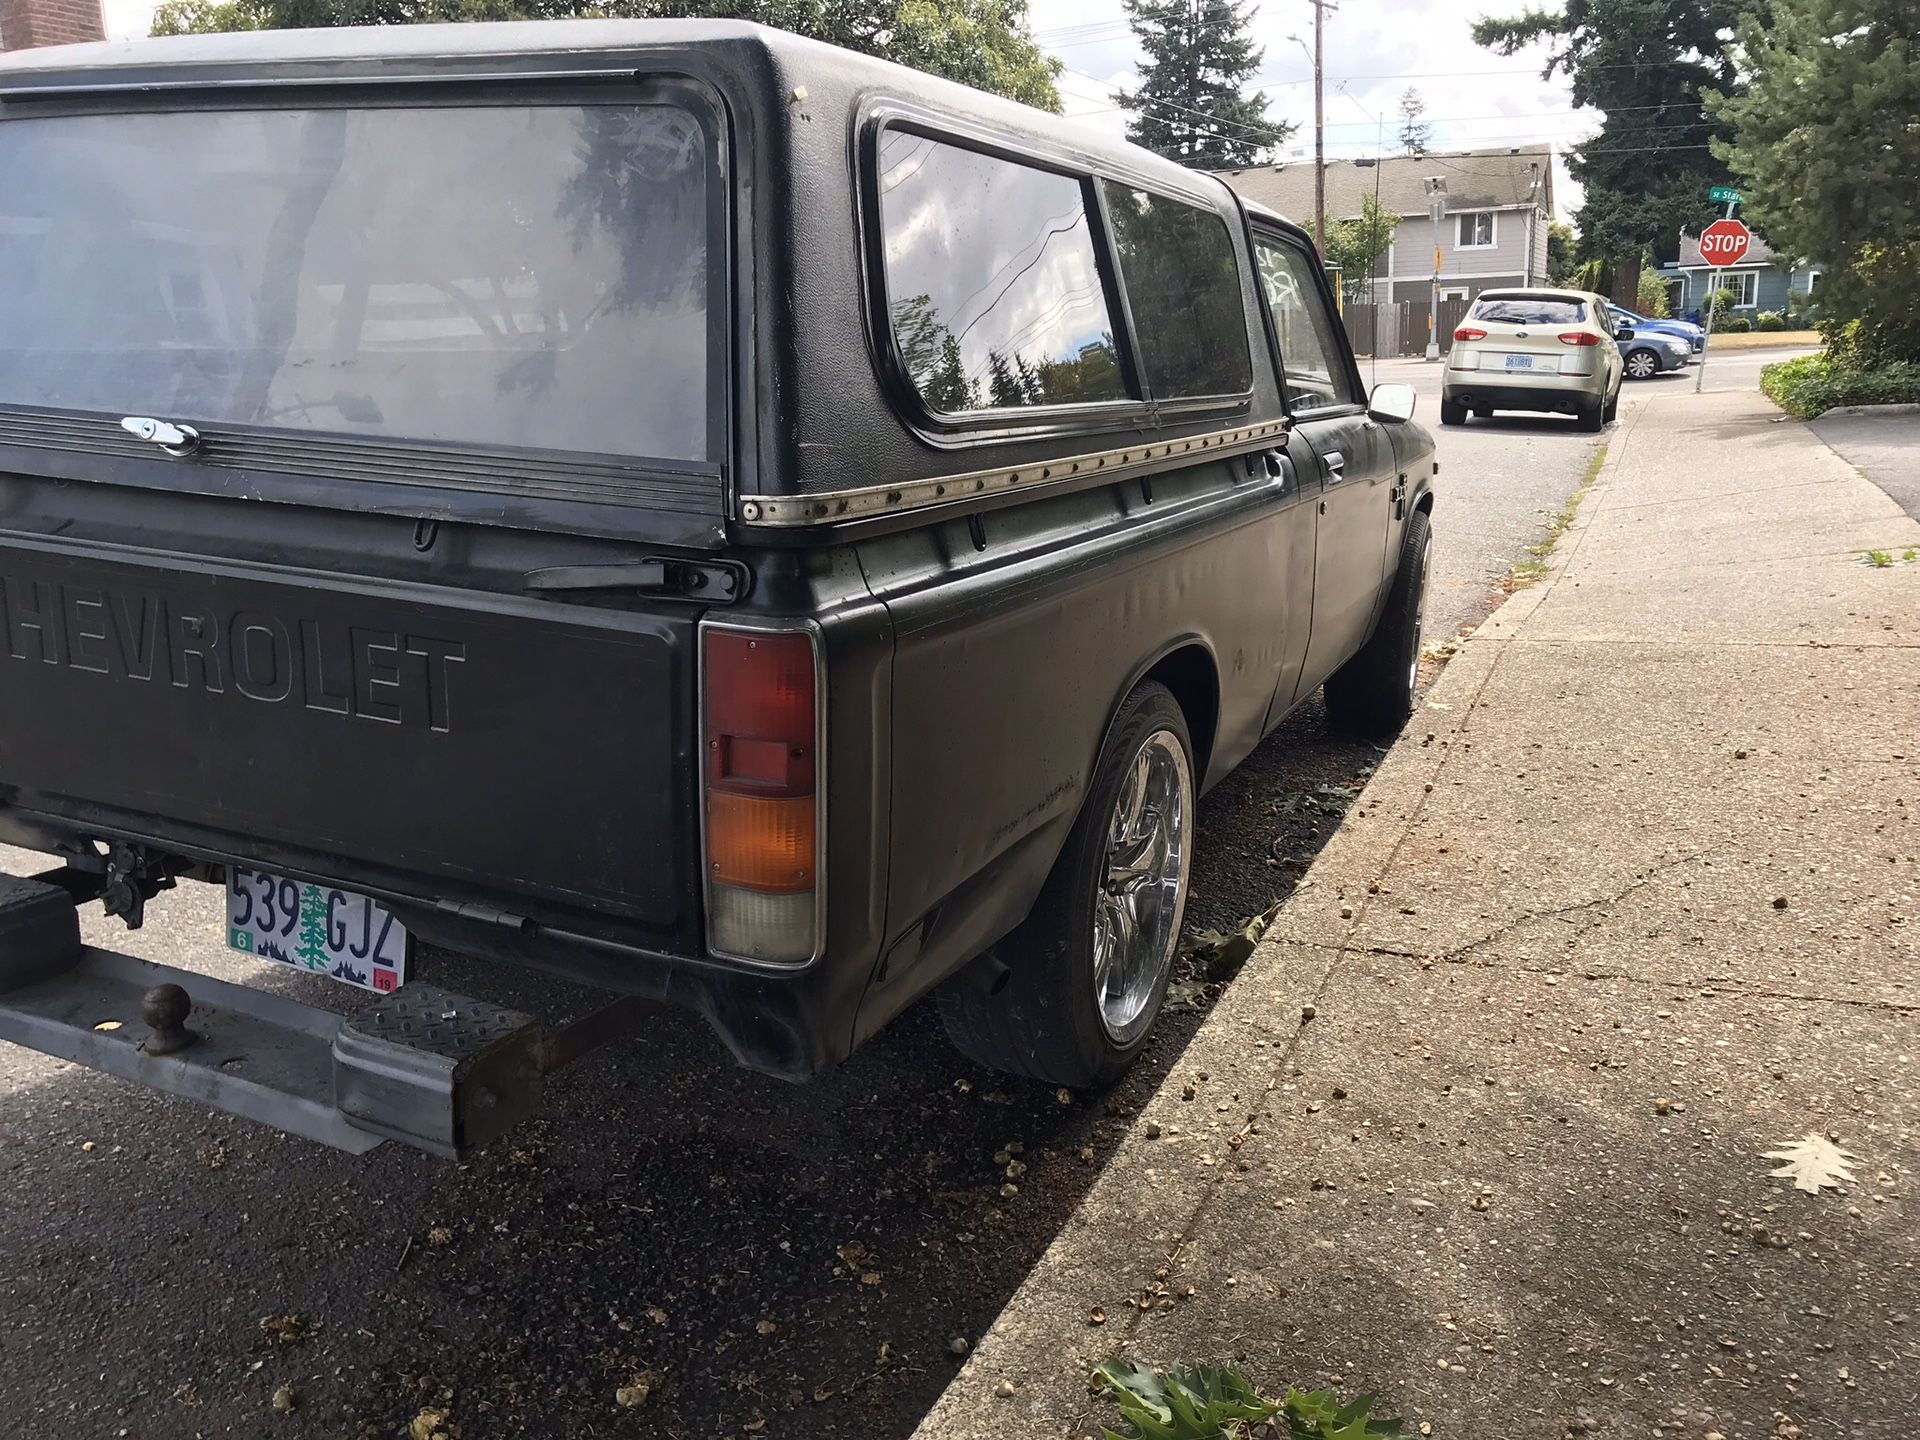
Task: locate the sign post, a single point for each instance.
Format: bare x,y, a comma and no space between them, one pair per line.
1725,242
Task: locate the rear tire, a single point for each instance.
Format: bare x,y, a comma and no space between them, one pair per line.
1372,694
1612,410
1452,412
1074,1008
1593,419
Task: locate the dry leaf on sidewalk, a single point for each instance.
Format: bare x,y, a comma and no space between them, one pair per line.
1811,1162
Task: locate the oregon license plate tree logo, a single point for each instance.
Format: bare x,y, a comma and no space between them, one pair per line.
315,928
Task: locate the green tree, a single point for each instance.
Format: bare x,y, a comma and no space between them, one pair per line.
1192,104
1356,245
1652,299
311,944
987,44
1415,133
1647,64
1827,152
1561,255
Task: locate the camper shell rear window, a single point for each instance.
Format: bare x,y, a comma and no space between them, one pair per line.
507,274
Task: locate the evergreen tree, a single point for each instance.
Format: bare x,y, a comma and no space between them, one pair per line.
1827,152
1647,64
1415,133
1560,253
311,945
1191,104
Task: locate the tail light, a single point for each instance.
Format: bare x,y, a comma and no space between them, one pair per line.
761,741
1467,332
1579,337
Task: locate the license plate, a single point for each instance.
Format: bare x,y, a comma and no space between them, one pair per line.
1519,362
315,928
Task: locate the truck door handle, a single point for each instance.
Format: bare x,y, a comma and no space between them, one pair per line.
1276,465
1336,464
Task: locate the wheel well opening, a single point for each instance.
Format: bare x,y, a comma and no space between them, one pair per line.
1188,672
1424,505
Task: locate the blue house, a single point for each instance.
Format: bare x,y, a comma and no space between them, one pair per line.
1761,281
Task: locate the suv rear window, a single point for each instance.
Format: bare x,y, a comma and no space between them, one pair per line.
494,276
996,298
1529,310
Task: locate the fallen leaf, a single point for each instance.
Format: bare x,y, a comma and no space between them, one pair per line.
634,1394
432,1424
284,1328
1812,1162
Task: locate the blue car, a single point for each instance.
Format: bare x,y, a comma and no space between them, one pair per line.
1694,335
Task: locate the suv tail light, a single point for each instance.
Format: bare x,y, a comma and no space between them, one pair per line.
761,742
1579,337
1467,332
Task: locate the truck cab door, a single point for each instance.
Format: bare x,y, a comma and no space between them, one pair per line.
1334,446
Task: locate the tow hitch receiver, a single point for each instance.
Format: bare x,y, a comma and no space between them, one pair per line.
436,1070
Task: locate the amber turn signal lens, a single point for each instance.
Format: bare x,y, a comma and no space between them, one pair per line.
760,842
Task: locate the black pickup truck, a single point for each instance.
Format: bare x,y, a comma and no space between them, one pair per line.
710,516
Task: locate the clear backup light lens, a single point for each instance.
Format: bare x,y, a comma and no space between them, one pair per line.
761,742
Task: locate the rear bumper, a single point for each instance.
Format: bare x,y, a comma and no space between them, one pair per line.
1497,392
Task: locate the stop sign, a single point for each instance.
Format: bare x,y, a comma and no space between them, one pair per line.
1724,242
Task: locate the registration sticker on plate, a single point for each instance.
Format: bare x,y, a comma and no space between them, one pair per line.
1519,362
316,928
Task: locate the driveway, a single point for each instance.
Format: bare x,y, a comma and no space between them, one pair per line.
1883,444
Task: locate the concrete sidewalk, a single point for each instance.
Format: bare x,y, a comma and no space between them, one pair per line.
1633,901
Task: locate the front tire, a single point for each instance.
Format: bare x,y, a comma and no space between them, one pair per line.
1643,365
1087,971
1372,694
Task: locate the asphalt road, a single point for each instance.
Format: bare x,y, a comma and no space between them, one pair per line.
732,1255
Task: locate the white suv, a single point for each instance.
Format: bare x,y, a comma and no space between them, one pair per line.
1548,350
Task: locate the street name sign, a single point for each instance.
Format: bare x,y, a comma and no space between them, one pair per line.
1724,195
1724,242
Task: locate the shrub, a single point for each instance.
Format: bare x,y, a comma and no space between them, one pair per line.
1814,384
1738,325
1769,320
1722,306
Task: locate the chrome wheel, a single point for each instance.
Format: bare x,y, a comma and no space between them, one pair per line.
1137,910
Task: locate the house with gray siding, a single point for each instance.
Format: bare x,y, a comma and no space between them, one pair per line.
1763,280
1499,203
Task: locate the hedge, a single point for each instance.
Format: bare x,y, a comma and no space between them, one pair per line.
1738,325
1812,385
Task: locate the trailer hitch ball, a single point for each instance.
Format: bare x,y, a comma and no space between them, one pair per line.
165,1009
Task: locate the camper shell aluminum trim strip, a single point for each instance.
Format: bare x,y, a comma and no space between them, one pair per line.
828,507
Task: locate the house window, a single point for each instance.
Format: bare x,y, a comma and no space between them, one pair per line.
1476,230
1813,279
1744,285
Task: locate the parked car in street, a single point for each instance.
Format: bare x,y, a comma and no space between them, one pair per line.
1643,356
687,509
1534,349
1694,335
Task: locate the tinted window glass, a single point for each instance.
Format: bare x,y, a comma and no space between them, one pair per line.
997,300
500,276
1529,310
1309,356
1184,288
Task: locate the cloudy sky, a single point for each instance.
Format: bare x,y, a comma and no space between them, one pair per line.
1375,49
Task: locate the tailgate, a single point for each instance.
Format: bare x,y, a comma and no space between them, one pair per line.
463,743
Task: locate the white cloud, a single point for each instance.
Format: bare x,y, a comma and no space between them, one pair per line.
128,19
1374,50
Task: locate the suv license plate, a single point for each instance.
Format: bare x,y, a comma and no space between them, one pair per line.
316,928
1519,362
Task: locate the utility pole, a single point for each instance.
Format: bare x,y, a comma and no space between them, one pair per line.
1320,9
